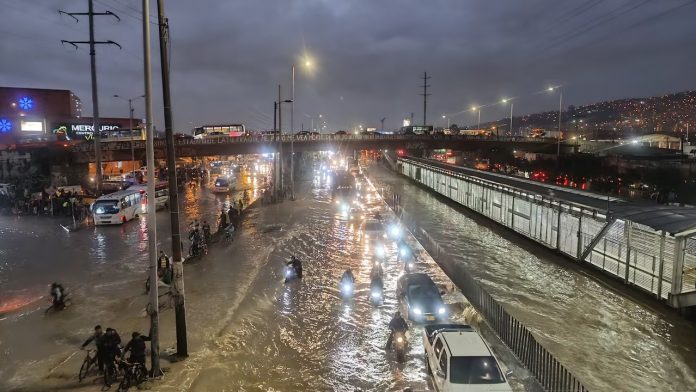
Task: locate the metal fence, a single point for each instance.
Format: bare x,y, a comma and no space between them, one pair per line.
547,370
654,261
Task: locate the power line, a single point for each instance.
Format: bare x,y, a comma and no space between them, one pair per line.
93,72
573,13
581,30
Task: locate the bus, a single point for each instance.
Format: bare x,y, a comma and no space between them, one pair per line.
122,134
207,131
118,207
161,195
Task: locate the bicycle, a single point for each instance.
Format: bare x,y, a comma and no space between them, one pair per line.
110,373
134,375
87,364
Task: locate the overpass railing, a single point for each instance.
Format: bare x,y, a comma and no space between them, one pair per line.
634,254
332,138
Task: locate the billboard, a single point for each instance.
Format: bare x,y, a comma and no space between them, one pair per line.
31,126
81,131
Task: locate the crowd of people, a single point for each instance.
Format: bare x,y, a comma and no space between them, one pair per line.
109,349
58,203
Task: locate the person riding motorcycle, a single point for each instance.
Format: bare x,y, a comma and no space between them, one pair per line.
137,348
397,324
223,220
296,265
58,294
348,276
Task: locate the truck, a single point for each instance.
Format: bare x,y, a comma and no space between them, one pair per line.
459,360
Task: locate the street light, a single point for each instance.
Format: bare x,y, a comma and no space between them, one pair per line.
506,100
474,109
130,123
448,120
560,113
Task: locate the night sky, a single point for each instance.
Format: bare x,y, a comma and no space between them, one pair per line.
367,56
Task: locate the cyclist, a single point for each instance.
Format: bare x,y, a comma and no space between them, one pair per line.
136,346
98,338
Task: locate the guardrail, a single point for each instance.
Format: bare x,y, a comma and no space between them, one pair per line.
269,139
547,370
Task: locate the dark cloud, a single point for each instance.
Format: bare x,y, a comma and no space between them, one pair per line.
229,56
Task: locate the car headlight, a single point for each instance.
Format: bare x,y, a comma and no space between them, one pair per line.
441,310
417,311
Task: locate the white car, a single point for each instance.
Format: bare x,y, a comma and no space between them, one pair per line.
373,230
458,360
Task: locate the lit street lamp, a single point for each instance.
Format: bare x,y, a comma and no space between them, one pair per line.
130,123
308,64
474,109
448,120
506,100
560,112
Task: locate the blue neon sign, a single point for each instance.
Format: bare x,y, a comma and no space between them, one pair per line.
26,103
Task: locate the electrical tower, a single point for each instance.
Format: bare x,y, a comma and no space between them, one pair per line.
93,70
425,97
382,121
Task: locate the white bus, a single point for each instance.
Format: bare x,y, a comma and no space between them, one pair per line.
211,131
161,195
118,207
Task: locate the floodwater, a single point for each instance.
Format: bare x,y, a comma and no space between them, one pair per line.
248,330
609,340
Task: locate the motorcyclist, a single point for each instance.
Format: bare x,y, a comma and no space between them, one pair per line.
98,338
296,265
137,347
58,294
348,276
397,324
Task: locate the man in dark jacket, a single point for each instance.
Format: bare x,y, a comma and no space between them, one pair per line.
137,347
111,346
98,338
397,324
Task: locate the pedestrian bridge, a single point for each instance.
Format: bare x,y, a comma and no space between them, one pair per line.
647,246
120,150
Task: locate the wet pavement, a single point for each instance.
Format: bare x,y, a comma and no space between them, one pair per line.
248,330
610,340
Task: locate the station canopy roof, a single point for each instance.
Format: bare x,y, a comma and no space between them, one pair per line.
670,219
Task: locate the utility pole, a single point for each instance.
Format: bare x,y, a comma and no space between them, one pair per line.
425,97
93,71
275,154
292,140
280,142
178,262
151,205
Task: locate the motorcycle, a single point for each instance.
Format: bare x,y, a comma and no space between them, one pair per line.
346,287
291,273
399,346
409,266
376,294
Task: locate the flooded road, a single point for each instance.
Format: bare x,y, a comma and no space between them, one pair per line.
247,329
608,340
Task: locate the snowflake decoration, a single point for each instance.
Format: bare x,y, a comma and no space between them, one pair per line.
26,103
5,125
